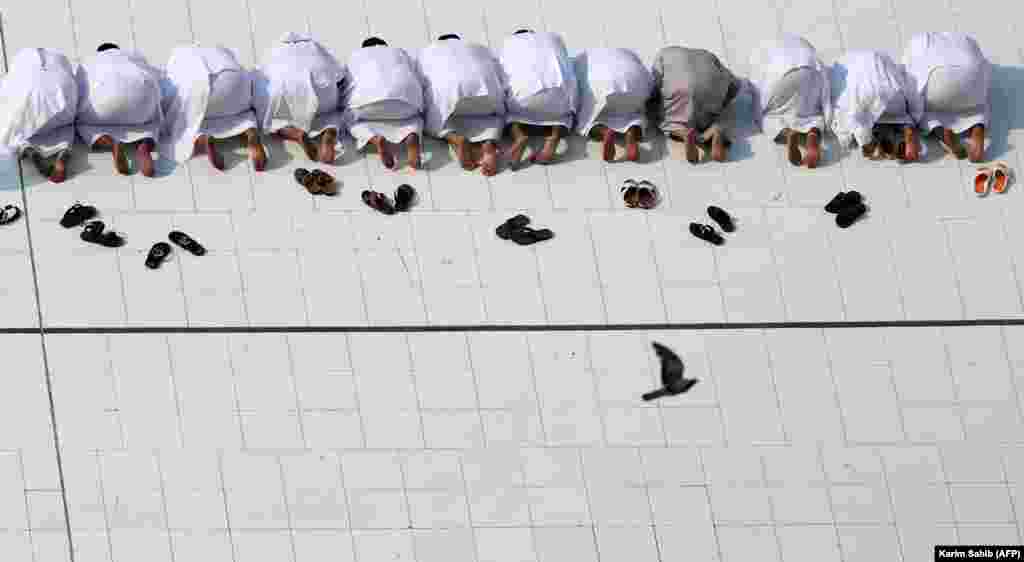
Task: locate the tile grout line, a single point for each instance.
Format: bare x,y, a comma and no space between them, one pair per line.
954,385
287,507
831,501
41,327
163,502
28,509
101,489
1015,509
174,390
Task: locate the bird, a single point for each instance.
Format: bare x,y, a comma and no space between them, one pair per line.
672,380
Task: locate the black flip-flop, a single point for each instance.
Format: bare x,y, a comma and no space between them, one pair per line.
378,201
850,214
157,254
9,214
77,215
723,219
405,196
505,230
94,233
524,236
842,200
706,233
186,242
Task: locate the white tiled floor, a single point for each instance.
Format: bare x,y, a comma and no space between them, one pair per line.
852,445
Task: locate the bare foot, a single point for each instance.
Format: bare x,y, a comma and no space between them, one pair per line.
413,147
976,152
144,156
691,152
211,153
464,154
793,148
633,144
515,153
719,152
59,172
257,153
607,145
327,142
121,160
106,141
489,162
951,141
912,152
385,155
813,149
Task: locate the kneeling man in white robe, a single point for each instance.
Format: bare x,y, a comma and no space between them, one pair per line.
37,116
791,96
875,105
541,90
615,87
464,99
120,103
383,95
953,75
298,96
209,98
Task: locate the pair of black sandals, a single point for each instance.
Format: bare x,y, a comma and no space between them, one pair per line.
516,230
848,207
95,231
161,250
707,233
9,214
405,197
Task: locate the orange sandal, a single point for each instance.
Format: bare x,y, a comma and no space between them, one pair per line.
983,182
1001,177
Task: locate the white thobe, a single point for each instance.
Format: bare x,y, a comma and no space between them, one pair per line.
119,94
540,80
865,86
807,109
298,86
614,86
383,95
464,90
39,103
951,66
209,93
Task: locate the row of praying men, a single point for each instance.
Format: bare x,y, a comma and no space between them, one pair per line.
461,92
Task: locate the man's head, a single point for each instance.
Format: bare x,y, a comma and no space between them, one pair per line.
448,36
523,31
374,41
106,47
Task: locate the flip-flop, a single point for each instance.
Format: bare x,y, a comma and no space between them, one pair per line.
983,181
324,182
505,230
525,236
630,194
94,233
1002,177
186,242
77,215
378,201
157,254
723,219
405,196
307,180
843,199
647,195
706,233
9,214
850,214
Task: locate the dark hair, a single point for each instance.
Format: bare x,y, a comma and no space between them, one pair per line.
448,36
523,31
106,47
374,41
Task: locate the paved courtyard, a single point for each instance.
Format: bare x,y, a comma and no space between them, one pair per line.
295,396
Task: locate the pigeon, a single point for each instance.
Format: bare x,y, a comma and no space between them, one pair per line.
672,379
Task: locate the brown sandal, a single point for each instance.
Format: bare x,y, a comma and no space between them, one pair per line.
630,194
647,195
307,179
324,182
